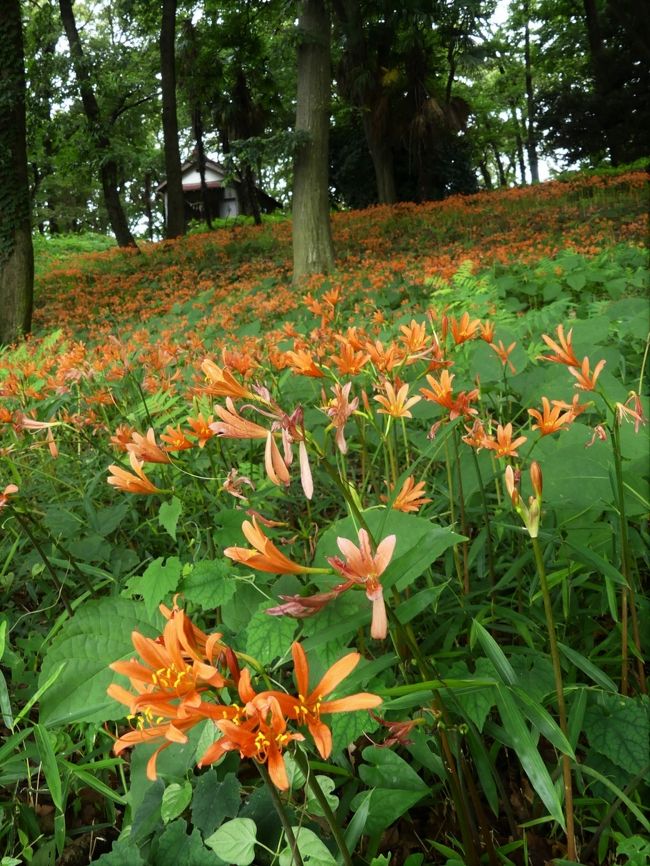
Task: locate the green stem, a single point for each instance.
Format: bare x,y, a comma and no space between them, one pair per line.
282,815
486,517
452,514
330,817
559,692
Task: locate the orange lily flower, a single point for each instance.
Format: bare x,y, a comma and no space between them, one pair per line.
476,436
235,426
223,383
122,436
586,380
487,331
339,409
350,362
146,449
564,353
395,404
414,337
411,496
442,394
463,330
551,420
175,439
308,707
503,445
127,481
9,490
302,362
201,428
627,413
265,556
363,567
504,354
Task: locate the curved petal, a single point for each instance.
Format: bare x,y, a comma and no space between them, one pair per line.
338,672
277,770
360,701
384,553
301,668
322,737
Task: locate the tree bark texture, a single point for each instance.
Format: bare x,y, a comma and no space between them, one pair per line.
109,170
16,251
175,216
313,251
531,139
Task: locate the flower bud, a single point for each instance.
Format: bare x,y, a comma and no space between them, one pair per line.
536,478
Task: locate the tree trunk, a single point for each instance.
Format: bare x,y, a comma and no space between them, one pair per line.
313,251
175,216
16,251
500,170
197,126
109,169
381,154
602,77
485,174
531,139
520,144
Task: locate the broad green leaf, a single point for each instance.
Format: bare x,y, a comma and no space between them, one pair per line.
327,786
234,841
174,847
269,637
386,807
618,727
527,752
168,515
124,852
176,798
347,727
214,800
210,583
5,703
99,633
358,823
474,703
158,581
312,851
385,769
425,599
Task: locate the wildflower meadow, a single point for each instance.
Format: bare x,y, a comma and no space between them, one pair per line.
351,573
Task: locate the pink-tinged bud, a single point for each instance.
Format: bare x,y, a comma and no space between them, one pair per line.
364,400
536,478
531,519
444,329
511,485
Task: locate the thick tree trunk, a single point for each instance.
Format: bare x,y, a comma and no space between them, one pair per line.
602,76
500,170
16,251
485,174
109,169
381,154
520,145
175,216
531,138
313,251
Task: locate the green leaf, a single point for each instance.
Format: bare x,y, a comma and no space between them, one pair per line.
312,850
156,583
269,637
542,721
618,727
327,786
99,633
234,841
474,703
528,754
168,515
359,820
5,703
385,769
621,795
494,652
210,583
347,727
176,798
174,847
124,852
214,800
50,767
589,668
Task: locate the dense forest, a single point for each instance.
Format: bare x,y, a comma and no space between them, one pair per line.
306,106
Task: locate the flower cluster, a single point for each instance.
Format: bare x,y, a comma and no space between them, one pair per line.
183,678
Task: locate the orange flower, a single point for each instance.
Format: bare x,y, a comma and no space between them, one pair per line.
551,420
235,426
265,556
302,362
396,405
363,567
476,436
564,353
122,436
223,383
414,337
339,410
487,331
9,490
350,362
586,380
146,449
308,707
463,330
627,413
504,354
411,496
503,445
201,428
442,394
175,439
138,483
